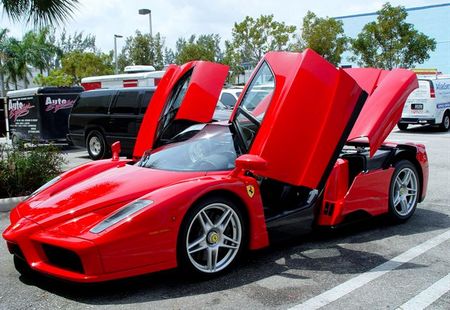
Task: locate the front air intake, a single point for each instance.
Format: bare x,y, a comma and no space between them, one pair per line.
63,258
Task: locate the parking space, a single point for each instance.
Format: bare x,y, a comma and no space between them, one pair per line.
371,265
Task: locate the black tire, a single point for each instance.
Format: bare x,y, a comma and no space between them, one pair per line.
22,267
445,125
403,198
96,145
402,126
212,238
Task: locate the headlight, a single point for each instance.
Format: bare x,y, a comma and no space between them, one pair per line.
121,214
46,185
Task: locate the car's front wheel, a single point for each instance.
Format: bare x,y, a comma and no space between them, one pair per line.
212,237
404,191
22,267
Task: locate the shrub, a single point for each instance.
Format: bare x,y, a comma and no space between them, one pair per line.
23,170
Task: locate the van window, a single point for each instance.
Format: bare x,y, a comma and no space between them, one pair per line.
126,103
145,101
93,102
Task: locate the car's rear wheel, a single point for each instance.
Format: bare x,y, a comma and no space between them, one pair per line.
445,125
96,145
212,237
402,126
404,191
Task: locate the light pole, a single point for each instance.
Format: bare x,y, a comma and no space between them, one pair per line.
149,12
115,52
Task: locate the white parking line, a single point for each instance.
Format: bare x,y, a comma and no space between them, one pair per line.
428,296
347,287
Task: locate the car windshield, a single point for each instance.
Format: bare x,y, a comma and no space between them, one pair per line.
202,147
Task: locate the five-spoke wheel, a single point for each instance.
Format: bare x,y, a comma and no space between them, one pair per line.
404,191
212,236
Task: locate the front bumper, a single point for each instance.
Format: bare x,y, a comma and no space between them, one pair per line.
69,258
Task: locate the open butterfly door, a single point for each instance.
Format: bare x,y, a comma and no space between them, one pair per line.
304,119
186,94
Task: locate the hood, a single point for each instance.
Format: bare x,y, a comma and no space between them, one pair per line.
110,189
388,91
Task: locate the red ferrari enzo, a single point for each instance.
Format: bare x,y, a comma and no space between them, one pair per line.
198,193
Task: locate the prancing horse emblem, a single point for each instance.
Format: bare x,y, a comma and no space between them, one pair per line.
250,191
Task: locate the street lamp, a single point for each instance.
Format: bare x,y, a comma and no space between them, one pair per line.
115,52
149,12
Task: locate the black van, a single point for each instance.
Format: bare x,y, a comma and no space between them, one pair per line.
102,116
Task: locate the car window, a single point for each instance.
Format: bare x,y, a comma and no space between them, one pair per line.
259,92
228,100
126,102
174,102
145,101
93,102
253,106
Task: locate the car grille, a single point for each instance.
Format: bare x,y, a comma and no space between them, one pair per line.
63,258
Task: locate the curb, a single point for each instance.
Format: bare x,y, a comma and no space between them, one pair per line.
7,204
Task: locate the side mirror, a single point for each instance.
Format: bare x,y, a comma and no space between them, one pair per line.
249,162
115,150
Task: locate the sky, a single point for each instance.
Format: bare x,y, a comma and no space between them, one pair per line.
181,18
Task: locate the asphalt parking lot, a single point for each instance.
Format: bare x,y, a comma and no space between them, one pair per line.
371,265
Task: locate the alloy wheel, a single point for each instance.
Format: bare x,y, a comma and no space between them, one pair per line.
214,238
405,191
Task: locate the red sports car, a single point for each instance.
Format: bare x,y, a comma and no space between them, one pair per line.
198,193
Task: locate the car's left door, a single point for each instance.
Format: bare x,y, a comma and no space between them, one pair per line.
185,95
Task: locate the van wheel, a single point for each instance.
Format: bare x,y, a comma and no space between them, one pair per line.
96,145
402,126
404,191
445,125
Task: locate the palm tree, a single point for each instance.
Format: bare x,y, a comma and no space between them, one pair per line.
16,62
38,12
41,52
3,40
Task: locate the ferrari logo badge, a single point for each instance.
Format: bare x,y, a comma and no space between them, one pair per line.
250,191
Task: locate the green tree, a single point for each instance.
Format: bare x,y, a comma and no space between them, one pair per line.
39,12
205,47
41,51
232,58
17,57
3,40
323,35
252,38
141,49
77,41
56,77
82,64
390,42
169,56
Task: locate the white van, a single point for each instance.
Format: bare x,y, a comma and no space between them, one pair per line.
429,104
